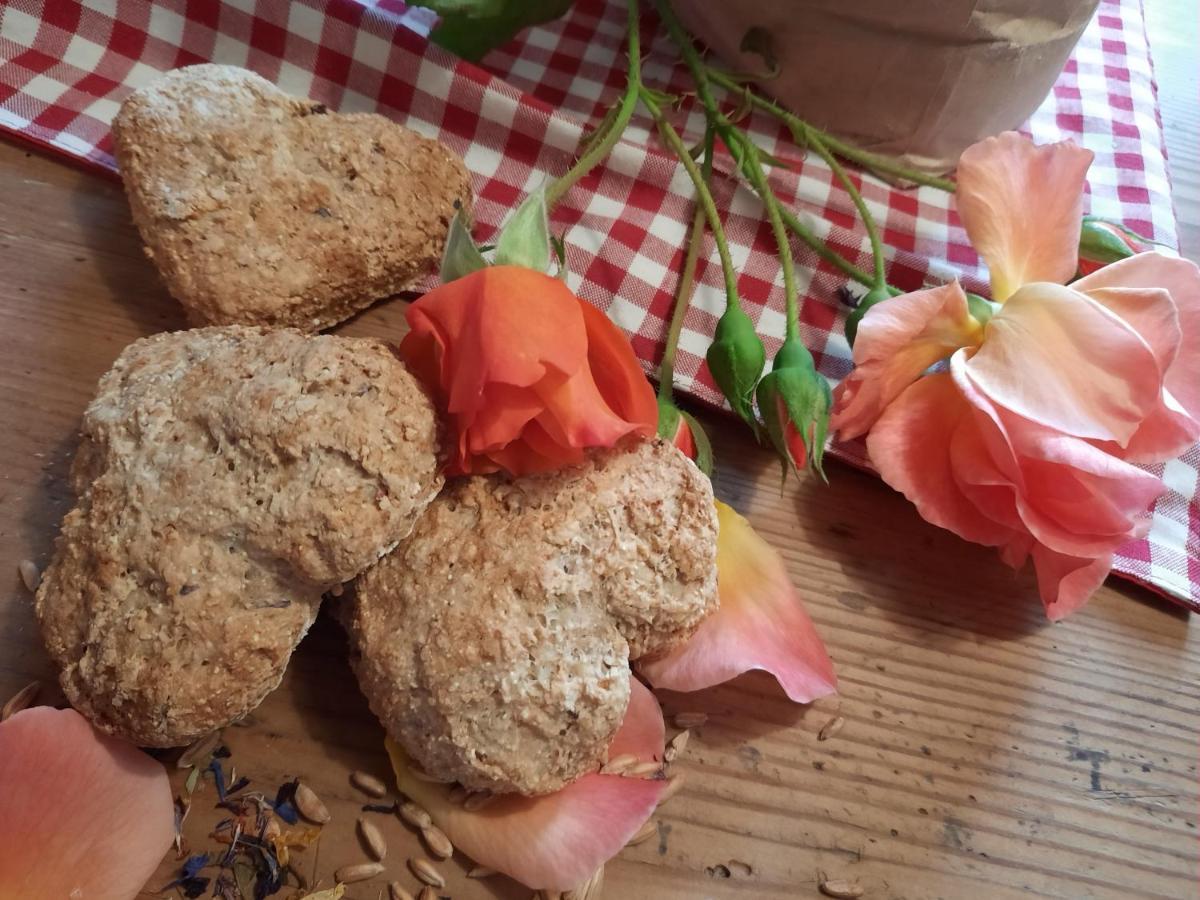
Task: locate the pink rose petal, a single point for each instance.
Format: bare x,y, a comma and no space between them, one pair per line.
1069,494
897,341
1067,583
82,814
914,447
558,840
1181,279
760,624
1059,358
1021,205
1000,480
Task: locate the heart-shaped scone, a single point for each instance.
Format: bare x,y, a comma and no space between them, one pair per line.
262,209
227,477
494,641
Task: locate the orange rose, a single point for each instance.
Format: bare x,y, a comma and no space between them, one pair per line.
527,375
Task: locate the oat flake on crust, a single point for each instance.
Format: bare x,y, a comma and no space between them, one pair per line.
226,477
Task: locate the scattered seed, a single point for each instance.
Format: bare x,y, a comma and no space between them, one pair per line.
373,838
843,890
643,834
22,699
618,764
310,805
690,719
424,870
359,872
337,590
437,842
30,574
199,751
396,891
368,784
478,800
427,893
674,783
641,770
458,794
481,872
677,745
830,728
414,815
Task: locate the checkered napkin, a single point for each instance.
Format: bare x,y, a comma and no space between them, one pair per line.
518,120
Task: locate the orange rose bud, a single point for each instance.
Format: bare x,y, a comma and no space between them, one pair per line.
687,434
526,374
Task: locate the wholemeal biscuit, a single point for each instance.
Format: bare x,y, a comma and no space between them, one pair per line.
259,208
494,642
226,478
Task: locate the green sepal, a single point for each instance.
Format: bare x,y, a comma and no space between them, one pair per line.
669,417
704,450
525,238
980,308
460,256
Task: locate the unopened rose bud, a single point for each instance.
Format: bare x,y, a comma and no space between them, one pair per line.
794,401
736,358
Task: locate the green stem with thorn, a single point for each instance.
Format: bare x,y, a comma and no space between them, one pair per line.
860,204
748,155
880,165
687,277
672,139
633,85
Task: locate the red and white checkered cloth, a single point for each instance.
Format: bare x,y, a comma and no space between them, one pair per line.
517,120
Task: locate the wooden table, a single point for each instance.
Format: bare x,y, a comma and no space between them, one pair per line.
986,753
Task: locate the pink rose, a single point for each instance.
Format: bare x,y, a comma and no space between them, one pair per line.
1028,440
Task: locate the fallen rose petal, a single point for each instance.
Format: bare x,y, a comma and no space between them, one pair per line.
556,841
760,624
82,814
1061,359
1021,205
898,339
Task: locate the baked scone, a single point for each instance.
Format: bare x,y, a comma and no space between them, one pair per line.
226,478
263,209
494,642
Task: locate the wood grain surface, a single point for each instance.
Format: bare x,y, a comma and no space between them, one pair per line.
986,753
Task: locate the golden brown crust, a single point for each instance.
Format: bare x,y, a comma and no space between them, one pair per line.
263,209
226,478
493,643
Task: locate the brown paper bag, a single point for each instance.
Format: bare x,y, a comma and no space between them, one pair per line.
920,80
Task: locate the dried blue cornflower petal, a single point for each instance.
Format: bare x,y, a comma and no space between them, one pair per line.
218,774
284,805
